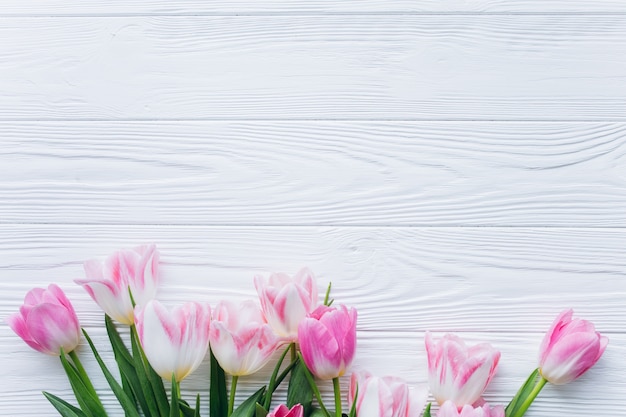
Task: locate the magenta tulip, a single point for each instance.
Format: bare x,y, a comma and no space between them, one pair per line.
135,269
287,301
385,397
175,342
240,338
569,349
47,321
328,340
449,409
458,373
283,411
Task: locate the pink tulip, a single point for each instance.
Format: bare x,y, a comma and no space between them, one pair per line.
286,301
569,349
385,397
174,342
108,284
47,321
328,340
283,411
449,409
240,338
458,373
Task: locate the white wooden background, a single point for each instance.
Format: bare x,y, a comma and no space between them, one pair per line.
448,165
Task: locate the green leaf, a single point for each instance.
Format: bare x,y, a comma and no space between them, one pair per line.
127,404
260,411
197,414
427,411
145,387
88,401
248,407
63,407
522,394
174,409
353,408
299,390
317,412
218,397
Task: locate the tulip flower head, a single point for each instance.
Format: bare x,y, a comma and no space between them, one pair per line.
47,321
449,409
240,338
328,340
286,301
283,411
458,373
108,284
385,397
174,342
569,349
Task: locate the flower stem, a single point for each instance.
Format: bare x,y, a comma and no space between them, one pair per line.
531,397
231,400
294,352
337,389
82,372
272,384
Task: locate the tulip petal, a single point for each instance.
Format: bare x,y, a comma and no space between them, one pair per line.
52,328
323,359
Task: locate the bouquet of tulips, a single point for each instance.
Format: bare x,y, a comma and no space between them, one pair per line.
315,342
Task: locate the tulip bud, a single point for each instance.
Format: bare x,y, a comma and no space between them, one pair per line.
569,349
174,342
135,269
286,301
283,411
458,373
328,340
47,321
240,338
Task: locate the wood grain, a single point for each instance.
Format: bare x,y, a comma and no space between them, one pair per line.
195,7
330,67
314,173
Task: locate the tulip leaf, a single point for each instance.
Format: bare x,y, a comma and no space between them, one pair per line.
63,407
127,404
145,387
427,411
260,411
299,390
218,397
88,400
522,394
248,407
174,408
197,414
317,412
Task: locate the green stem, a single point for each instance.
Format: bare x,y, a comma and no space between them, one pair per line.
337,389
82,372
233,389
314,387
272,384
531,397
294,352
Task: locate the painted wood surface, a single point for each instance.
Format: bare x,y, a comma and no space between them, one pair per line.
444,67
448,165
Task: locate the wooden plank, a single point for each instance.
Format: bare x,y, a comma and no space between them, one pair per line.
599,392
393,67
401,279
315,173
194,7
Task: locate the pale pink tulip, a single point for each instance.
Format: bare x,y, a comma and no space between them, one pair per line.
458,373
240,338
569,349
328,340
47,321
449,409
283,411
174,342
385,397
286,301
135,269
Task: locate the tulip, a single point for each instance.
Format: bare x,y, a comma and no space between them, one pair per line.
135,269
175,342
47,321
385,397
458,373
287,301
449,409
240,338
284,411
328,340
569,349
